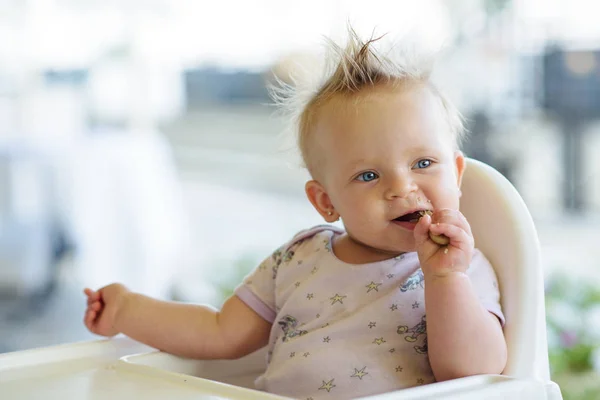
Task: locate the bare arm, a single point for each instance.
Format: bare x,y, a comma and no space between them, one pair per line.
463,337
186,330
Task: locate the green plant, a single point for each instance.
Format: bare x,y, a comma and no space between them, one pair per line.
232,274
570,307
572,310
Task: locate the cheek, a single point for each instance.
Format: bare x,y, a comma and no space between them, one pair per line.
445,192
351,207
360,211
351,203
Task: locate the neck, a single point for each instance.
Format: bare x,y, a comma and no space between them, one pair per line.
352,251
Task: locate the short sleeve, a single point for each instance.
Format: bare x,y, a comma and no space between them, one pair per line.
485,282
258,288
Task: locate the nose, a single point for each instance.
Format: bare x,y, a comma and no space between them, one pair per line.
400,185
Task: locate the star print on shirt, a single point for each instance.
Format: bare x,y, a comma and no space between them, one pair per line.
306,354
394,307
415,305
372,324
392,350
379,341
314,270
373,286
420,381
309,296
327,385
399,369
292,354
297,284
390,276
326,339
359,373
337,298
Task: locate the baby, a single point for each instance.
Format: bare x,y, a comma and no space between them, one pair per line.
375,307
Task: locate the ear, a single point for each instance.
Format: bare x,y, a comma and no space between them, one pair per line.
461,165
320,200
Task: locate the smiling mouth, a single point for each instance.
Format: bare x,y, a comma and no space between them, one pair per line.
413,217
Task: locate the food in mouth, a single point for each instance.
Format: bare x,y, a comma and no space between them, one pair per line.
441,240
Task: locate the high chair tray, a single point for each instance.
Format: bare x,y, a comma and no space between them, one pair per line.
121,368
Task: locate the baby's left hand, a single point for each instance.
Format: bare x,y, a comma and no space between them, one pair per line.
441,260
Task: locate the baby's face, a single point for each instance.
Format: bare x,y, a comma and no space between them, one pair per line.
389,154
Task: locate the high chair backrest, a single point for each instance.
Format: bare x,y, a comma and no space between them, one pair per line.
504,231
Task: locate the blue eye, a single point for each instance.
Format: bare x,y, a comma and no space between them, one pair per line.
367,176
422,164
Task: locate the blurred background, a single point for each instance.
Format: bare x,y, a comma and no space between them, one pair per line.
137,145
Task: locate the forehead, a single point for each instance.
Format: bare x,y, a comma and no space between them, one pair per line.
398,117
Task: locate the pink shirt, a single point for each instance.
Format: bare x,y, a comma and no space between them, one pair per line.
342,330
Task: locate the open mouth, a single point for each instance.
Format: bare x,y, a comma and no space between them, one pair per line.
413,217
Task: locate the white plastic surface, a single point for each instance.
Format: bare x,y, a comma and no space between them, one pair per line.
241,372
244,371
92,371
504,231
115,369
98,370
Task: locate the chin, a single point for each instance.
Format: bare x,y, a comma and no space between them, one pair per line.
401,241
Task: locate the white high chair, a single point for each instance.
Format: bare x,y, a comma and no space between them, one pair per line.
503,230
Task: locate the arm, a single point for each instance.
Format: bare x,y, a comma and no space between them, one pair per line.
462,336
186,330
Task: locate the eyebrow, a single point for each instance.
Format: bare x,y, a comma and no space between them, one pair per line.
422,149
425,149
355,164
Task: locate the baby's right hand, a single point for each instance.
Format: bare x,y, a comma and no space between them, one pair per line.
102,309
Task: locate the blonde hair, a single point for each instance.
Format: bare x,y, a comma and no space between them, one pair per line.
350,71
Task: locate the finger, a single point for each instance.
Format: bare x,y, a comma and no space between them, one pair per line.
92,295
90,316
449,216
456,234
441,240
445,215
421,230
464,223
96,306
